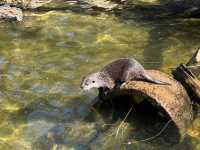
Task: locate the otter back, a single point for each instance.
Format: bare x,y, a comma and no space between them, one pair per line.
118,68
125,69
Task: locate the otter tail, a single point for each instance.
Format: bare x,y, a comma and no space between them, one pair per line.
150,79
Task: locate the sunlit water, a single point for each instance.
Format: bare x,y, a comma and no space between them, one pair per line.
43,59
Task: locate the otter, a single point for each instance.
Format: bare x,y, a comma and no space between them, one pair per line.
116,73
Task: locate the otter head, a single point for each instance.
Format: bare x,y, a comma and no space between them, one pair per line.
94,80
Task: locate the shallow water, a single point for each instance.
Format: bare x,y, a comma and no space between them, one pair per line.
43,59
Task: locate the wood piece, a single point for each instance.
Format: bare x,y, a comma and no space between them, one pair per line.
188,74
189,81
172,98
193,64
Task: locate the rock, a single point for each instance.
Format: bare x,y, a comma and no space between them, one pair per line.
10,13
105,4
36,3
26,3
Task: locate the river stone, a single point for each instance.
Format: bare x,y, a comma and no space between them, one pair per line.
10,13
38,128
40,123
106,4
26,3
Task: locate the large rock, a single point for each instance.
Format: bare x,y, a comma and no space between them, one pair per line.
26,3
10,13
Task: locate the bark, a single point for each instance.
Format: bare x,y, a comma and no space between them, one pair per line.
188,74
172,98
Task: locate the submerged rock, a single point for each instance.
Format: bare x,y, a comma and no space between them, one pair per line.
10,13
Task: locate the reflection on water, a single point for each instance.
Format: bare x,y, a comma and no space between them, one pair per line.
43,58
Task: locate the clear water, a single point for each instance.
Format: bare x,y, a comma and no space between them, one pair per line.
43,59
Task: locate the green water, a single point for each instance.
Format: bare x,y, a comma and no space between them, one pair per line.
43,58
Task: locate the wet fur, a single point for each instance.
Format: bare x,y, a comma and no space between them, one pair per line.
118,72
126,69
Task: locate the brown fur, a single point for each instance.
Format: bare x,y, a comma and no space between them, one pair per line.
118,71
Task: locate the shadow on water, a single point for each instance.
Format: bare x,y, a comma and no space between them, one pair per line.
86,126
166,27
131,125
162,38
144,121
53,124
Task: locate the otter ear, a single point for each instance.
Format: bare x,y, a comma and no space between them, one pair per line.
83,78
103,75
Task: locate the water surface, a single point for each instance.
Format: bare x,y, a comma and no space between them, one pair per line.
43,58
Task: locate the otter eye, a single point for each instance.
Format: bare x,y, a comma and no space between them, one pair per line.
93,81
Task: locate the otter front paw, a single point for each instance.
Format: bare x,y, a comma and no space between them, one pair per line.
103,92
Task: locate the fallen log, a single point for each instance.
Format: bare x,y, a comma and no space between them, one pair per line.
175,99
172,98
188,74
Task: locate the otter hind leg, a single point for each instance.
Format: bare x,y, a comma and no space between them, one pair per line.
129,75
103,92
125,76
132,73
